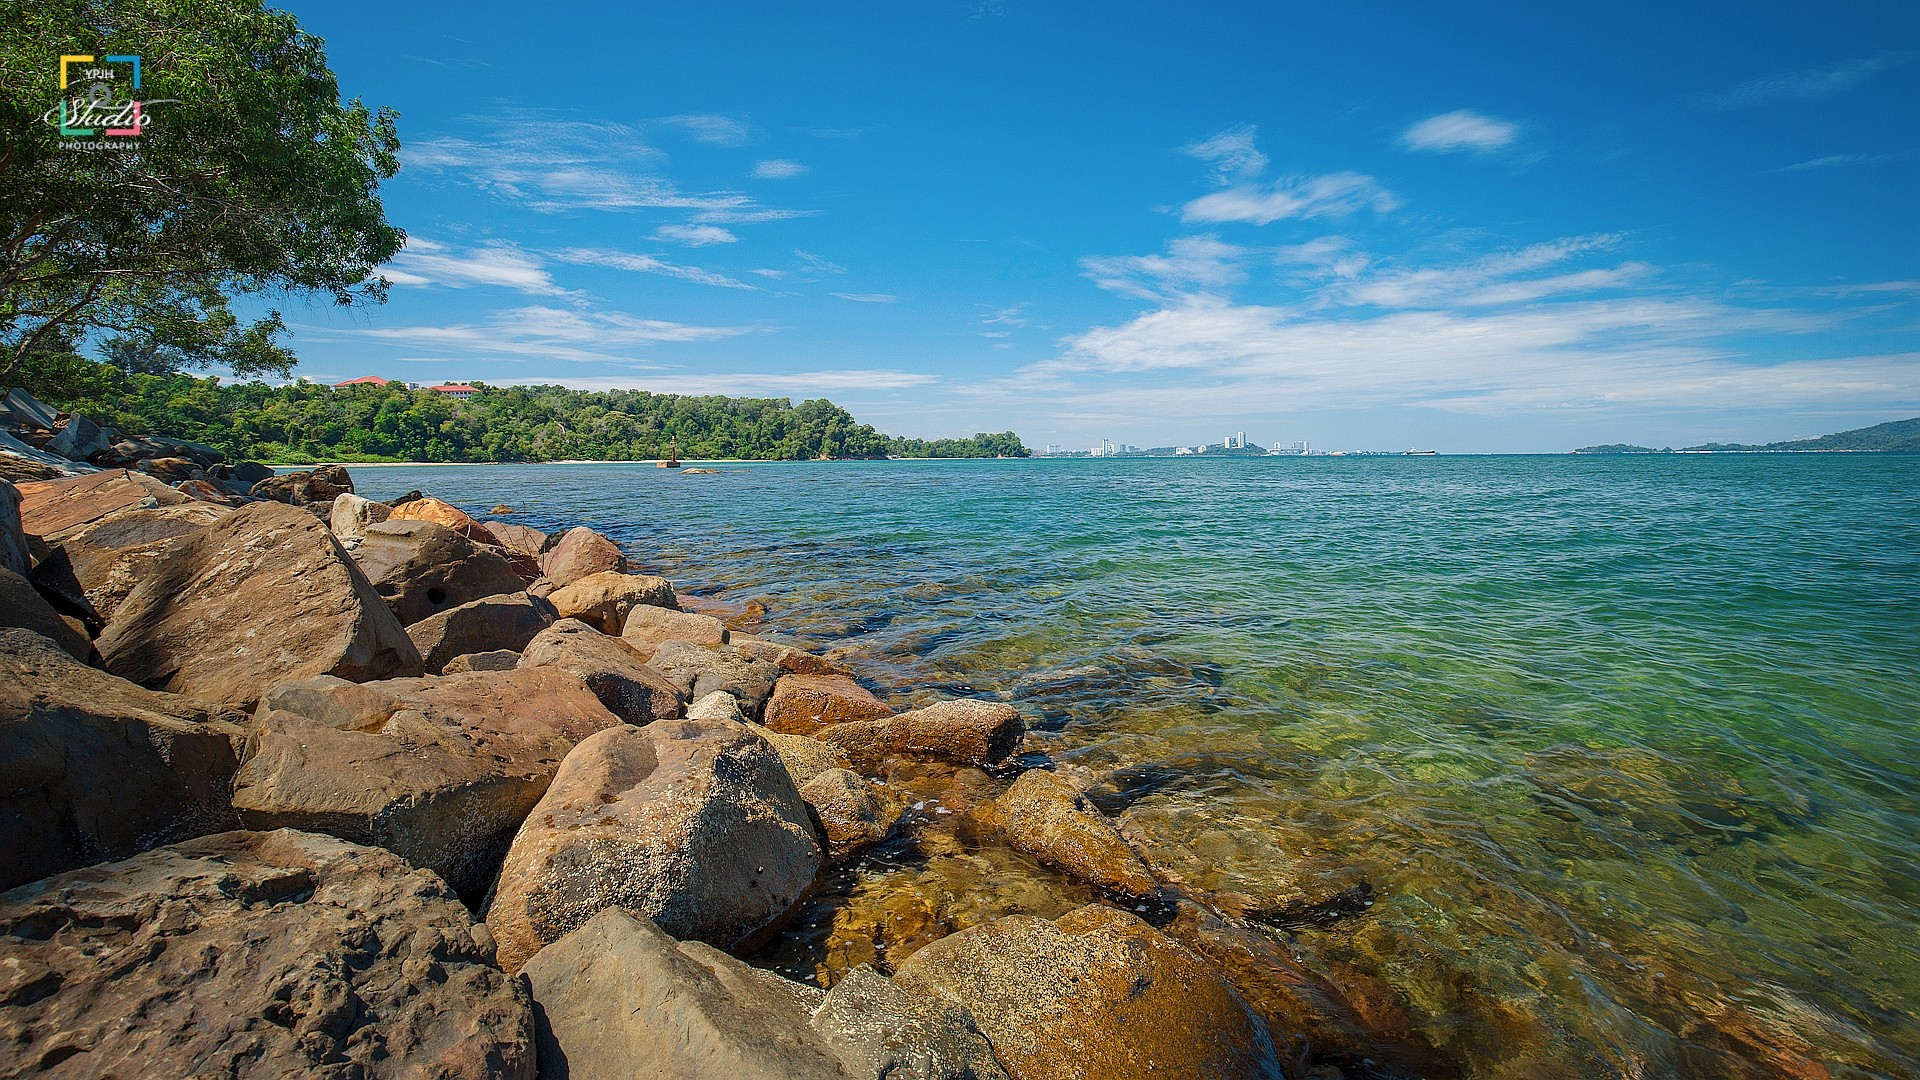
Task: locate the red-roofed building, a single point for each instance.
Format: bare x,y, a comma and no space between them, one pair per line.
364,380
455,390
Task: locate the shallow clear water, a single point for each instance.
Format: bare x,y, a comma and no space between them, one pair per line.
1625,746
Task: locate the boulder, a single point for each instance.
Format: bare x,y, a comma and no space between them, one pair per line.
519,539
580,553
13,539
507,621
720,705
22,606
422,569
620,991
851,810
491,660
692,823
966,731
79,440
171,470
790,659
248,472
438,771
1049,817
52,508
255,956
647,627
209,491
603,600
428,508
131,448
614,672
262,596
1096,993
93,767
19,409
19,469
803,704
697,671
108,557
351,515
804,756
309,487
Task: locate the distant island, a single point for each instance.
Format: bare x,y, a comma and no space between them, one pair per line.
1896,436
380,420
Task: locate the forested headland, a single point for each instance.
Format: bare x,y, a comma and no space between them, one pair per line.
307,422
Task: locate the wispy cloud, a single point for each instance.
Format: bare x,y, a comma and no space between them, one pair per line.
1800,87
1332,195
648,264
1459,130
711,128
1008,316
1192,264
424,262
539,333
868,298
743,215
1836,161
1502,278
810,261
778,169
694,235
1232,154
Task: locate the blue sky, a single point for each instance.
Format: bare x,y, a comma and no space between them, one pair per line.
1518,228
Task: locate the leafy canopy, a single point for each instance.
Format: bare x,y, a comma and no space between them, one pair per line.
250,177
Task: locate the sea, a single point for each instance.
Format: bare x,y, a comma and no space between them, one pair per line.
1622,748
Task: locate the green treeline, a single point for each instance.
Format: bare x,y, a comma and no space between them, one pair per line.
306,422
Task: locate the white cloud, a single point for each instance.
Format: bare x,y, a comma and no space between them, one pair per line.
1840,160
540,333
868,298
713,129
1193,264
424,262
1800,87
1232,154
1494,279
1009,316
730,215
810,261
1459,130
648,264
1327,256
747,383
1336,194
778,169
694,235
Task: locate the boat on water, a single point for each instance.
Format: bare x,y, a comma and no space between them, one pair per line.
1420,453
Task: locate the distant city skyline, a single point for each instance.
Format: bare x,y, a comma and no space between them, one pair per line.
1478,229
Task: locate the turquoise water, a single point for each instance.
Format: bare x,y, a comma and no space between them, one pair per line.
1625,746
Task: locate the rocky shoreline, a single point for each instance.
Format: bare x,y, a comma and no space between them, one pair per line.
301,783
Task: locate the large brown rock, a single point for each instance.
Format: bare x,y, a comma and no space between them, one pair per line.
603,600
965,731
21,605
699,670
1096,993
13,539
852,811
255,956
263,596
308,487
438,771
422,569
803,704
619,992
351,514
108,557
520,539
692,823
93,767
580,553
50,508
647,627
1049,817
428,508
508,621
612,670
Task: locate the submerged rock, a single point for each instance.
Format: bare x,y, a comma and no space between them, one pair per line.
853,812
93,767
422,569
1048,817
255,956
692,823
968,732
604,600
508,621
803,704
614,672
790,659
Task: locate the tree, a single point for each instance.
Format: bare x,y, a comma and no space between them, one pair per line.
249,176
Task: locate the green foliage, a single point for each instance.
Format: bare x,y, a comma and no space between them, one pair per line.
1896,436
305,422
1621,448
250,176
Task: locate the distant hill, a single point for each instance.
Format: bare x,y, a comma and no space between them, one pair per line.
1897,436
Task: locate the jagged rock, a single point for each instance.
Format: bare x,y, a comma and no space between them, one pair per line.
79,440
692,823
1049,817
108,557
262,596
127,449
171,470
93,767
620,991
27,460
853,812
697,671
20,409
421,568
966,731
1093,994
580,553
803,704
790,659
428,508
17,469
507,621
51,509
438,771
309,487
209,491
22,606
255,956
491,660
13,540
351,515
613,671
603,600
647,627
